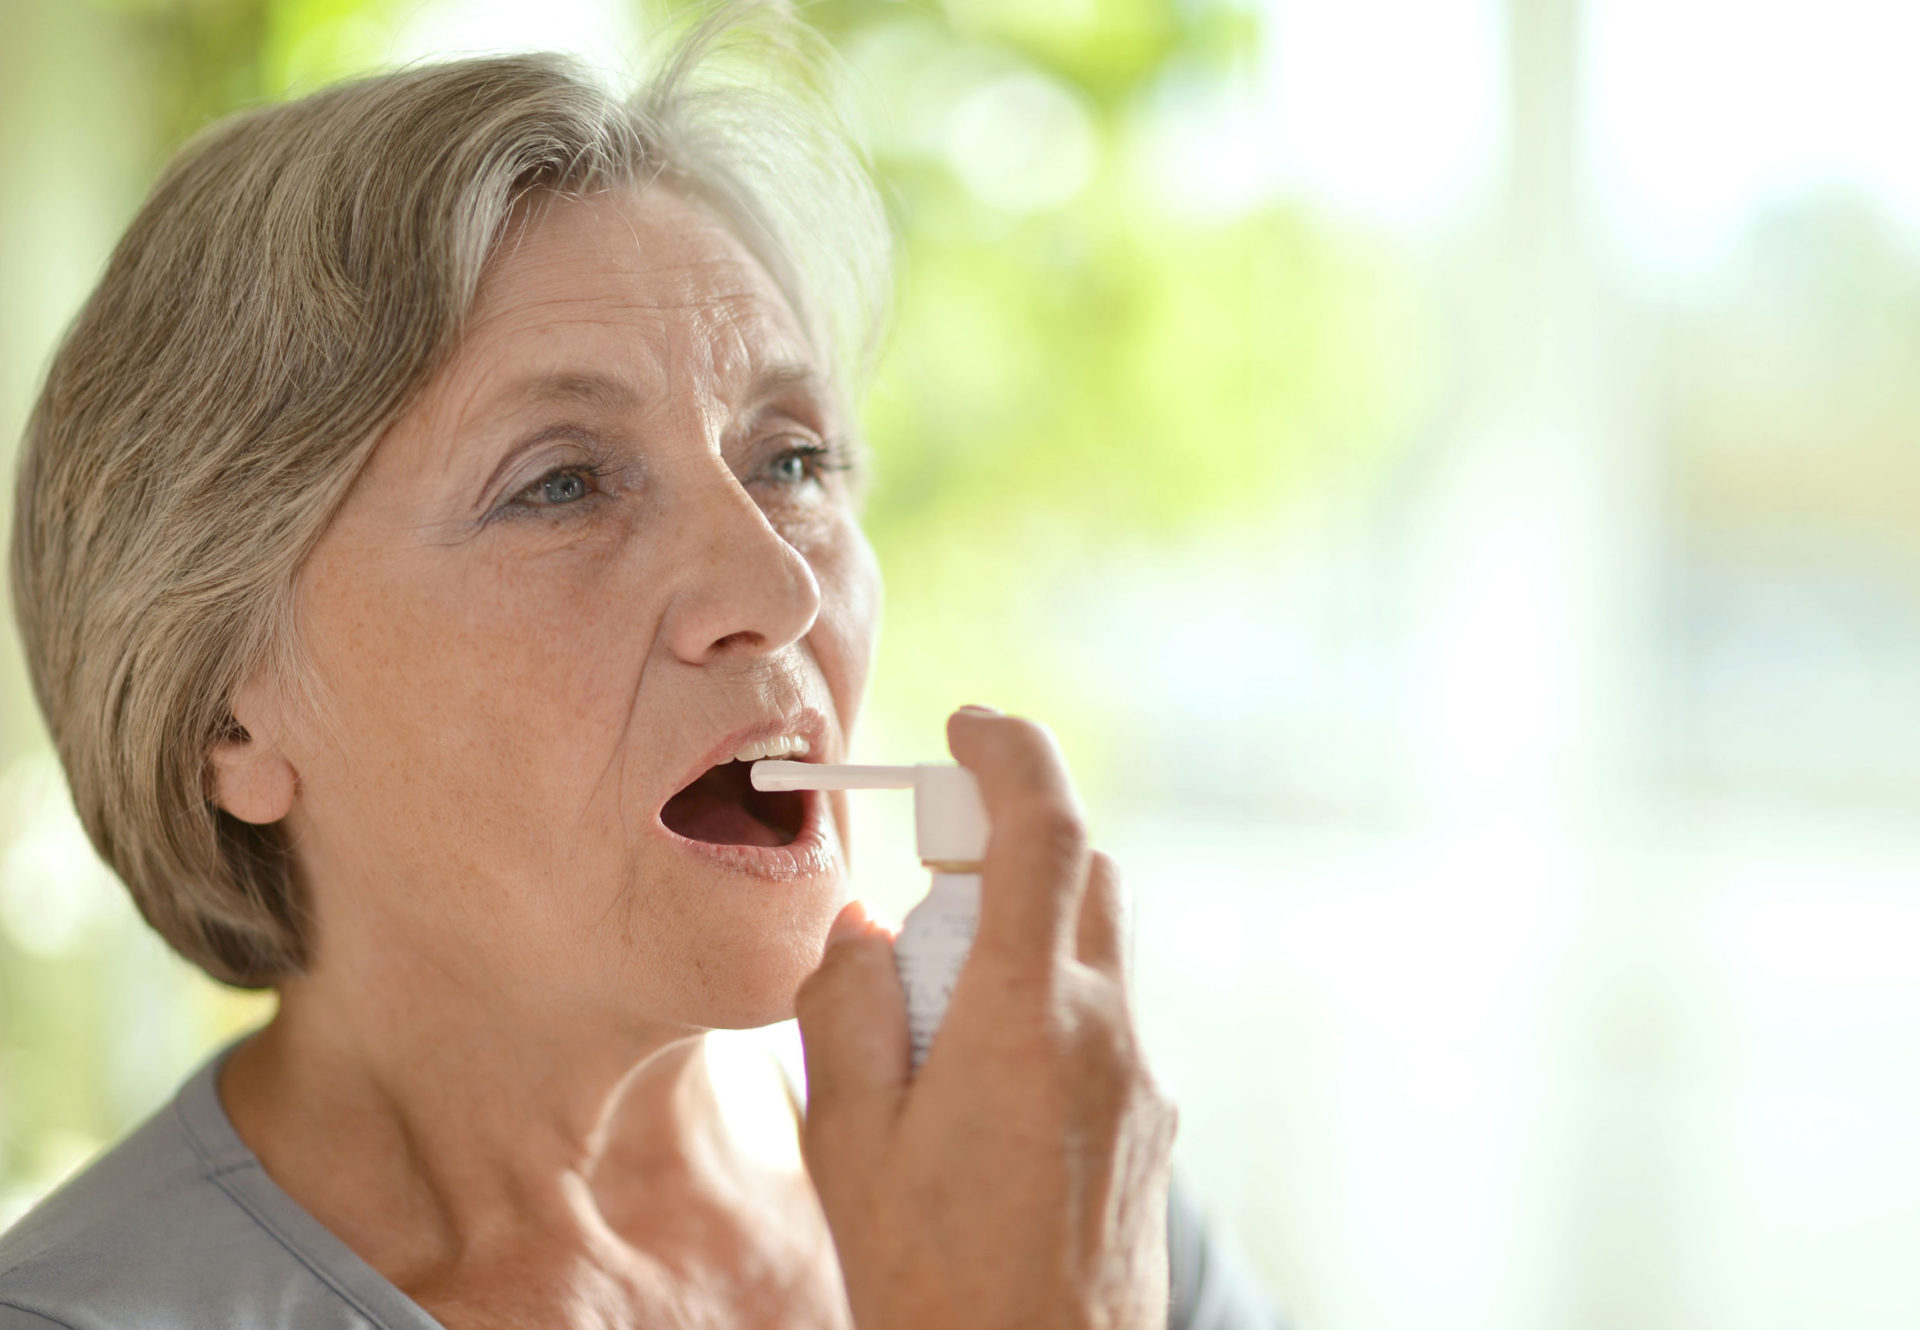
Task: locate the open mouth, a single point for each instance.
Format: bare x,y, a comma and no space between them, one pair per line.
723,808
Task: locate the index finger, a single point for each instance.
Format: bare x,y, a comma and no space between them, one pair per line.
1036,863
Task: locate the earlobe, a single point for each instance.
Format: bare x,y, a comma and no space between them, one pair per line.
250,780
248,775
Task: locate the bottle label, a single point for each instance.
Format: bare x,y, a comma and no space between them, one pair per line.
932,947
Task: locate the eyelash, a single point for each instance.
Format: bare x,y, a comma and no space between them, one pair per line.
823,459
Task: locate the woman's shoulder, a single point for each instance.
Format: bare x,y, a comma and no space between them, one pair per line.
175,1226
121,1221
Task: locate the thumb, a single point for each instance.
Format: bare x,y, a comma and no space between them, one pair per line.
853,1026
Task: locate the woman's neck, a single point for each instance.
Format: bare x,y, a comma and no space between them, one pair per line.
451,1142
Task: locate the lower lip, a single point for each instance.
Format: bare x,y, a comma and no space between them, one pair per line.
807,857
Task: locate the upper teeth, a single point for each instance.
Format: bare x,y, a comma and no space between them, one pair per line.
779,746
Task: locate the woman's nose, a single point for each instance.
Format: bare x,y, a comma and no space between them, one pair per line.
743,588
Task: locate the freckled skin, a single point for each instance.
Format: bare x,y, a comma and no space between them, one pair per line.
496,1048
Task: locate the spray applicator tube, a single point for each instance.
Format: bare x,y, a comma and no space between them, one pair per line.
950,836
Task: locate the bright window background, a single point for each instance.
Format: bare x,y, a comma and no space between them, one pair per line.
1448,470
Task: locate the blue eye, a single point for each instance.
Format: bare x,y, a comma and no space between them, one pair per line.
791,466
808,461
559,488
563,487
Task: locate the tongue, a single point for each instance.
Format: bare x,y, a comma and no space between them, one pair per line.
702,814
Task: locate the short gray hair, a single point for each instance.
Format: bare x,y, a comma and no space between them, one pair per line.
297,274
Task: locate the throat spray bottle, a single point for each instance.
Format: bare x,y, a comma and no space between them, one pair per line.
950,836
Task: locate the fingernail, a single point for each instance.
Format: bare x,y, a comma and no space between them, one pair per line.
849,923
979,710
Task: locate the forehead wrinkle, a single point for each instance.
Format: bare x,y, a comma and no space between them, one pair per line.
707,261
735,304
735,322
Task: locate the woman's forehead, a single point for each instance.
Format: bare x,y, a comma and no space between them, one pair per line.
633,273
622,305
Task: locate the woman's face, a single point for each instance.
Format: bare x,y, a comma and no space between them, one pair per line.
602,545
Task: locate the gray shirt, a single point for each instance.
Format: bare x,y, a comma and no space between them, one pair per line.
178,1227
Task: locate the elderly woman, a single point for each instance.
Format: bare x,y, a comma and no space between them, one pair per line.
451,480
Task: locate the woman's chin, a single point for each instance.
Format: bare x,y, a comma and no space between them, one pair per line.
745,986
750,1008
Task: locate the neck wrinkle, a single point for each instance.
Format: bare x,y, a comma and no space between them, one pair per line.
463,1141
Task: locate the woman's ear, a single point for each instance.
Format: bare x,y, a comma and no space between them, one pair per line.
251,778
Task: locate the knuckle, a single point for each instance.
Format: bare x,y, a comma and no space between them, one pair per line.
1169,1121
1103,1046
1117,1057
1054,825
1156,1105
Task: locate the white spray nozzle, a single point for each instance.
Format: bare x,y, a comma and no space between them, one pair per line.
949,821
774,775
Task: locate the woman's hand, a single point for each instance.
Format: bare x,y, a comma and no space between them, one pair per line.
1020,1180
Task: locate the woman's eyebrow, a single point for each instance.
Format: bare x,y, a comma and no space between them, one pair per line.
611,393
606,392
775,377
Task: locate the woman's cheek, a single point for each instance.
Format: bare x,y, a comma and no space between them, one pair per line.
846,633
